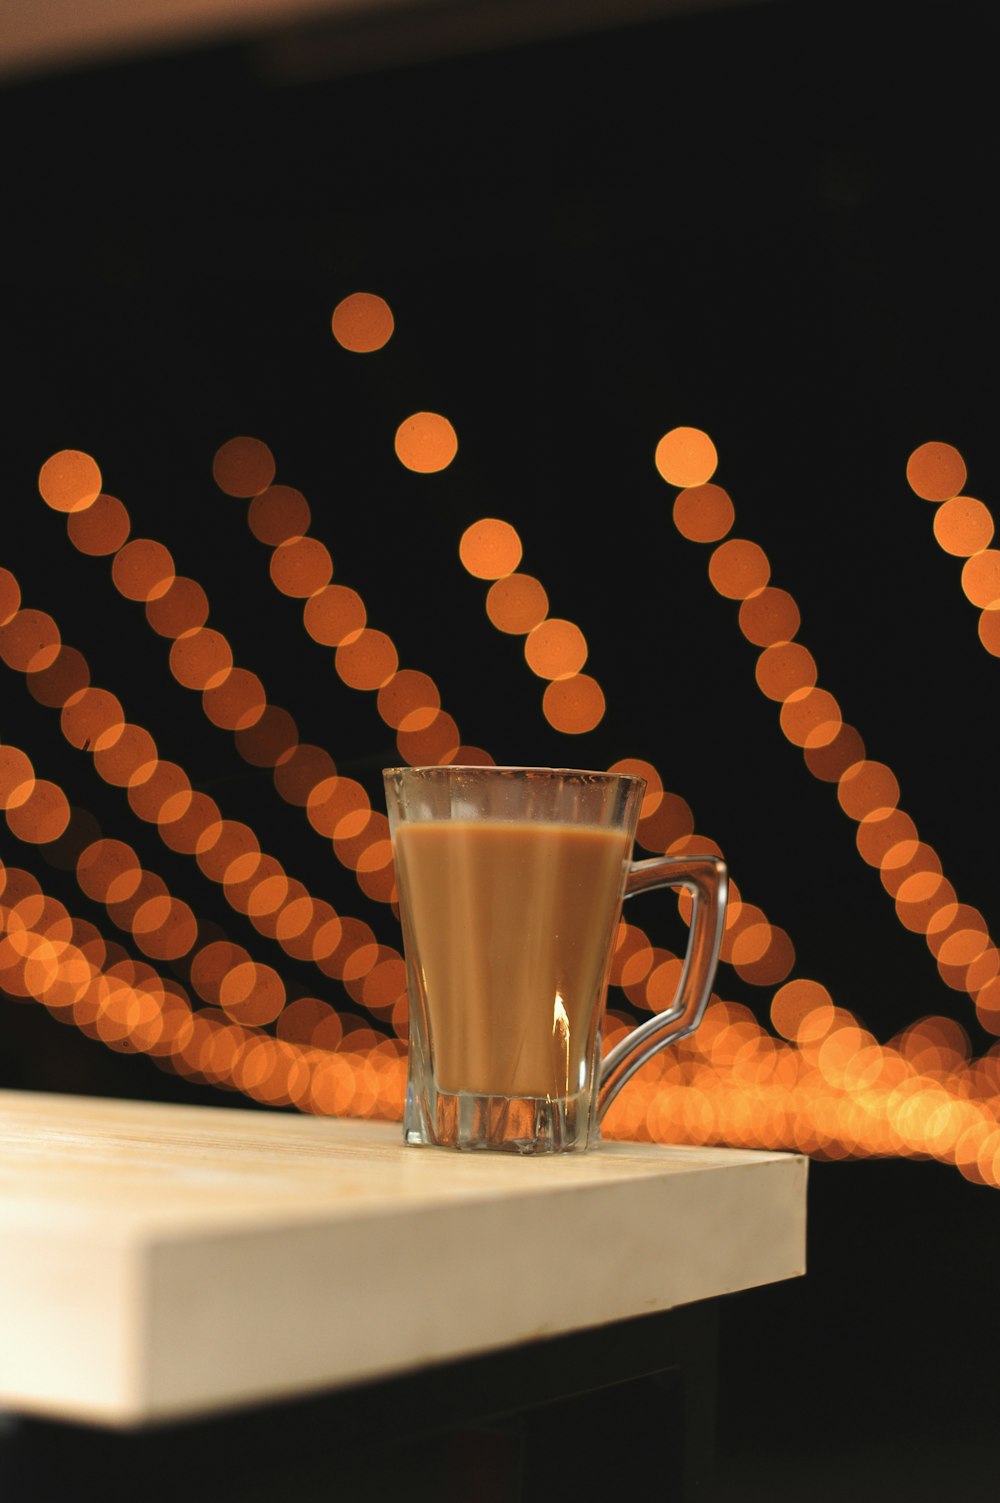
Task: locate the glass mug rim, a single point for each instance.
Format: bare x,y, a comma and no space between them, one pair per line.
478,767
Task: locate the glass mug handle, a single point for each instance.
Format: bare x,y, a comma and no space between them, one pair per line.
706,879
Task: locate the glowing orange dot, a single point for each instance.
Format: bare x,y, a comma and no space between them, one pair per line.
867,788
490,548
182,607
830,761
467,755
334,615
989,630
703,513
64,677
409,701
802,1010
739,568
185,831
143,570
130,759
237,702
301,566
686,457
773,964
243,467
362,322
304,770
981,578
963,526
883,834
334,802
435,744
69,481
367,662
211,965
17,778
426,442
784,669
101,529
516,603
10,596
279,513
30,641
936,471
555,649
810,718
769,617
92,719
270,739
222,845
671,820
163,796
574,705
165,928
108,871
635,767
201,659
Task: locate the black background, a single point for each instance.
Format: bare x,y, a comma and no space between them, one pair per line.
772,222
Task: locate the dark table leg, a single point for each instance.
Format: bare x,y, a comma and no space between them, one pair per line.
572,1417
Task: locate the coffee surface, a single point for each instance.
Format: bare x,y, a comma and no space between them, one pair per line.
509,928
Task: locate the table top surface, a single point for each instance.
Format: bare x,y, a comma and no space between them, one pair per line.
160,1260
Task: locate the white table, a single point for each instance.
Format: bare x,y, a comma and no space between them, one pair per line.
161,1261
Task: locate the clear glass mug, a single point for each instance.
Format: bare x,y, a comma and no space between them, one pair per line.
511,882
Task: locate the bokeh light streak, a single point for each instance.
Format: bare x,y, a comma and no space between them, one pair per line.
963,527
833,751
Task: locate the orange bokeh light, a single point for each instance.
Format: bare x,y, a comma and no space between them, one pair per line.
42,816
784,669
802,1010
182,607
811,718
574,705
490,548
362,322
686,457
101,529
143,570
65,676
368,661
277,514
704,513
989,630
10,596
556,649
963,526
516,603
936,471
243,467
739,568
297,776
201,659
831,760
981,578
866,789
237,702
30,641
334,615
410,700
434,744
69,481
769,617
426,442
301,566
17,778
